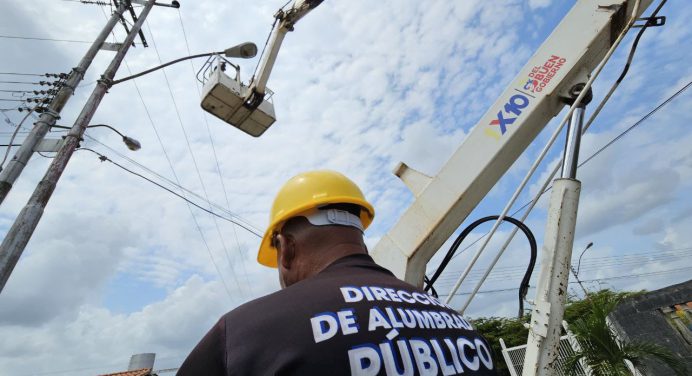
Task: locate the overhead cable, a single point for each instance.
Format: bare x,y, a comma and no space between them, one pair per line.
188,191
638,122
44,39
18,127
192,154
103,158
170,164
613,264
626,276
216,157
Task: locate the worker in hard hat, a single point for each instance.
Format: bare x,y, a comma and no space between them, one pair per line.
338,312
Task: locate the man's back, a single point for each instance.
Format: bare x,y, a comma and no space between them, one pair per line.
353,318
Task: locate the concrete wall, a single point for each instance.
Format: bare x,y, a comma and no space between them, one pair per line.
640,319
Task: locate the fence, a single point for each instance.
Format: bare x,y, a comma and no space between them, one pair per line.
514,356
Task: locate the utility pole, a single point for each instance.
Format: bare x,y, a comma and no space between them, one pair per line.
19,234
47,119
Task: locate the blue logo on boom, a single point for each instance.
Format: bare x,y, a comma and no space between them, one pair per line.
509,114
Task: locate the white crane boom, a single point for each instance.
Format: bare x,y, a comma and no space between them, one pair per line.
287,19
532,99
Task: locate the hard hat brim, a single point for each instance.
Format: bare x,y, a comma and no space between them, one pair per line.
267,254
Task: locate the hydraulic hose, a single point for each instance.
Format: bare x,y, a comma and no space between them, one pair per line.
523,287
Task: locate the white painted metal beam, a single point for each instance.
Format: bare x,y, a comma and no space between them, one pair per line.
571,52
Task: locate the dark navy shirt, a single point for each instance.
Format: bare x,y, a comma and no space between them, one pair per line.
353,318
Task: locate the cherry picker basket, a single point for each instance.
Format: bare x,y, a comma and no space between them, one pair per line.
227,98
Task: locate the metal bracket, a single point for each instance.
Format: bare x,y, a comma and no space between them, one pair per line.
49,145
111,46
174,4
539,324
652,21
566,91
415,180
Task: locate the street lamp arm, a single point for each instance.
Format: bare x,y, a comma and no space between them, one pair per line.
114,82
106,126
130,142
582,254
92,126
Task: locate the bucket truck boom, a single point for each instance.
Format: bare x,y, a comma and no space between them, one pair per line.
249,108
559,73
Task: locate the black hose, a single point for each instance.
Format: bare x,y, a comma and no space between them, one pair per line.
523,287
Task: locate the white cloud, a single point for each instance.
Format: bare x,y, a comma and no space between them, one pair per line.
359,87
537,4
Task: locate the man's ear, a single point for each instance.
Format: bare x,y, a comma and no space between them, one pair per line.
287,250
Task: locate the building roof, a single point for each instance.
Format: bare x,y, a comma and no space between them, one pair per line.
138,372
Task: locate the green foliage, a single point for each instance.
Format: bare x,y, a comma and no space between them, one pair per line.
577,308
602,351
511,330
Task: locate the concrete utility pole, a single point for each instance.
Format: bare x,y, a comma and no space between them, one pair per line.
15,166
19,234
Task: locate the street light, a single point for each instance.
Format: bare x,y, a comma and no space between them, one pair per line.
582,254
576,272
130,142
245,50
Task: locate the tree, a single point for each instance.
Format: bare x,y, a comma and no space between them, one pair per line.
586,318
511,330
601,350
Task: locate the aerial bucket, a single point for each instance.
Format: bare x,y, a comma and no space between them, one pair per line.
225,98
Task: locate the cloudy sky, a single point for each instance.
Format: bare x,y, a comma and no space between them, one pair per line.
119,266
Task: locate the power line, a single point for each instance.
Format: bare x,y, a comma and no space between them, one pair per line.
103,158
612,265
623,133
102,3
624,260
192,154
42,83
170,164
610,143
22,74
216,158
176,185
19,126
44,39
626,276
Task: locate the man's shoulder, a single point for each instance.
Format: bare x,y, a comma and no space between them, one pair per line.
256,308
324,286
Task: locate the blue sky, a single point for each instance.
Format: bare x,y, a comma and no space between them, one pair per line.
359,87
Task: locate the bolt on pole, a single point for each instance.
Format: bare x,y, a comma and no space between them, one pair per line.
19,234
15,166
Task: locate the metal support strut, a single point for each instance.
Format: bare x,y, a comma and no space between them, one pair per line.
551,295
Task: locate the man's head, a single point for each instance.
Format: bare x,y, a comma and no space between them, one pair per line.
317,217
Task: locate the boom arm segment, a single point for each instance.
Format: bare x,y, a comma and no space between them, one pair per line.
249,108
287,19
570,53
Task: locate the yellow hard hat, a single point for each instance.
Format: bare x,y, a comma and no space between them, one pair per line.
308,191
